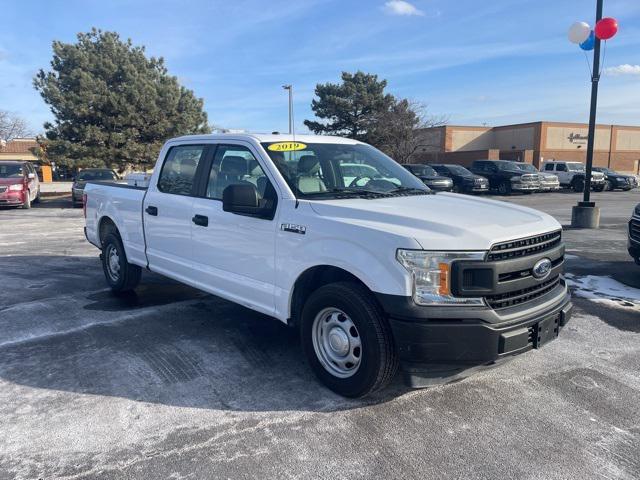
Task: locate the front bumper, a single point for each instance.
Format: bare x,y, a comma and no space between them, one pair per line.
525,187
12,198
457,341
476,187
549,187
440,187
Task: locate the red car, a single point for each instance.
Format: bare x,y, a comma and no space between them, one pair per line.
19,184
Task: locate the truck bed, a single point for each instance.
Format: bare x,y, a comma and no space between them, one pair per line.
122,203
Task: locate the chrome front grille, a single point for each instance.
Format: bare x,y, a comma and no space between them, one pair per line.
634,229
525,246
516,297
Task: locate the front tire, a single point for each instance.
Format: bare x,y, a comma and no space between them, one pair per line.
504,188
121,275
27,200
578,185
347,340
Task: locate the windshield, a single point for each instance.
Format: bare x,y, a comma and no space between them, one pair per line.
527,167
333,170
458,170
424,170
575,167
90,175
504,165
11,171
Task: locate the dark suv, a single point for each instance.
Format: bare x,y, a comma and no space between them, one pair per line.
505,176
463,180
634,235
431,178
613,179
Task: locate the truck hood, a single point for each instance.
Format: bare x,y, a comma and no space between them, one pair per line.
445,221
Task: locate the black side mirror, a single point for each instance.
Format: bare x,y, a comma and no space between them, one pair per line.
242,199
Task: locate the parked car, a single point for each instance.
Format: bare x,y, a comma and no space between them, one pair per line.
506,177
358,174
572,175
634,235
89,175
430,177
19,184
548,181
372,276
463,180
614,180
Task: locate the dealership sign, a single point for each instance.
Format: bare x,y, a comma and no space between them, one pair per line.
577,138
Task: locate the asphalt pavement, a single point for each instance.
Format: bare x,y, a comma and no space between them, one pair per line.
173,383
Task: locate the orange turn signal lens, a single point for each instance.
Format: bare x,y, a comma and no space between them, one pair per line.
443,287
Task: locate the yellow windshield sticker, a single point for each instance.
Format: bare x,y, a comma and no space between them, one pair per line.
286,146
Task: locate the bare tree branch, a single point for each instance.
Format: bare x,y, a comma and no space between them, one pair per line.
12,126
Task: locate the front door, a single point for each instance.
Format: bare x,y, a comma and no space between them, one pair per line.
167,212
234,255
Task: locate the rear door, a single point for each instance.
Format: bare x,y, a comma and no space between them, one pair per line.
167,211
234,255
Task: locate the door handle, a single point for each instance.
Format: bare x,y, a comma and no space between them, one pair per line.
152,210
201,220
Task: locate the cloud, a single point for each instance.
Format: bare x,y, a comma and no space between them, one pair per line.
400,7
624,69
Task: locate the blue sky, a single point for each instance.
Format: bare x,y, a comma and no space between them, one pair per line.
493,62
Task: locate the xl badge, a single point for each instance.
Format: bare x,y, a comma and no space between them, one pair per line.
541,269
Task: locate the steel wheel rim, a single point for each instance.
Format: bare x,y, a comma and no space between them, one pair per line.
113,263
337,343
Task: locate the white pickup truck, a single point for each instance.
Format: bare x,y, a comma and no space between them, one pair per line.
376,273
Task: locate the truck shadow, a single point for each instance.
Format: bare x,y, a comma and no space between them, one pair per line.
167,343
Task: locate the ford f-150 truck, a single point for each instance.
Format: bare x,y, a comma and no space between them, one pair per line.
376,271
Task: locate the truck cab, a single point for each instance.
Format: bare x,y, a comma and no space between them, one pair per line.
572,175
374,270
506,177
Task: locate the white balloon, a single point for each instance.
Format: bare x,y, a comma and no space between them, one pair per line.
579,32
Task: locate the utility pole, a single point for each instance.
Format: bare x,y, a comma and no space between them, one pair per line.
586,214
290,88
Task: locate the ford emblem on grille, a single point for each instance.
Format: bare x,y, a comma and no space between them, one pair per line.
541,269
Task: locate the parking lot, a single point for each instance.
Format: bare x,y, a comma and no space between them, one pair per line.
174,383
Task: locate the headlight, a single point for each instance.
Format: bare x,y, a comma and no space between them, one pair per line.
18,187
516,179
431,276
636,211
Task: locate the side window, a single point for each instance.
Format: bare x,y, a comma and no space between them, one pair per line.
179,169
548,167
233,165
561,167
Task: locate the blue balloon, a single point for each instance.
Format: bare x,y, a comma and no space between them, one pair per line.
589,43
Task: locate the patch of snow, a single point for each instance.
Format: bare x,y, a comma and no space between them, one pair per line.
605,290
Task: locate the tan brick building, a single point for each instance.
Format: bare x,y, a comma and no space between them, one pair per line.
616,146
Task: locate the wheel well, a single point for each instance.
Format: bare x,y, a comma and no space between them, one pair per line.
106,226
311,280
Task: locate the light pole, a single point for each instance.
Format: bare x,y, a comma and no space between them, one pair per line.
290,88
585,214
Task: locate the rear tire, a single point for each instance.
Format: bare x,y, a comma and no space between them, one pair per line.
347,340
121,276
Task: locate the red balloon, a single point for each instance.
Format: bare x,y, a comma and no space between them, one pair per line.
606,28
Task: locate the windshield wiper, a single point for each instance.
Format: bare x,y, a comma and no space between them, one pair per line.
411,191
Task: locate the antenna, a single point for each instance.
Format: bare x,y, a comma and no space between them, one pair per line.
291,124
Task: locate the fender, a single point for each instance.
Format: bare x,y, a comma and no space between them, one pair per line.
378,273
